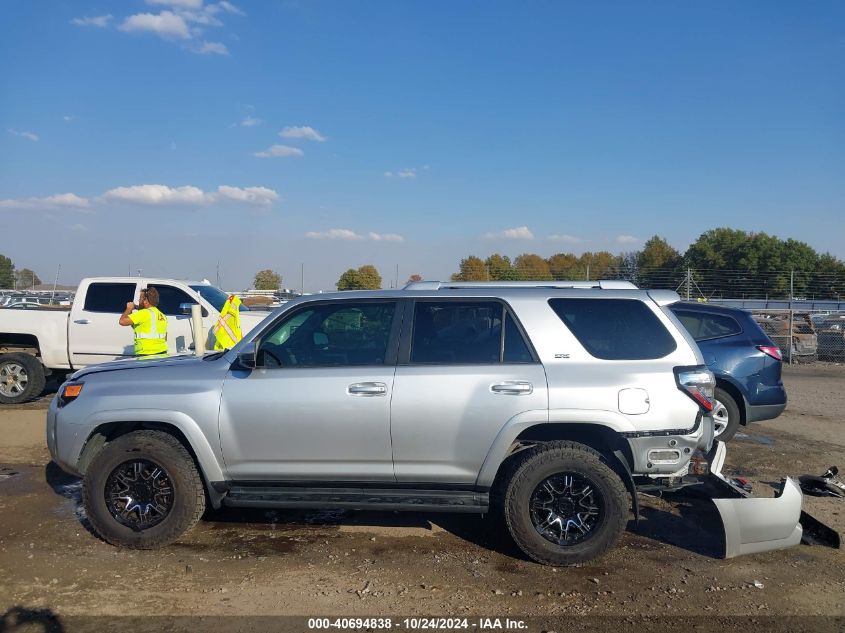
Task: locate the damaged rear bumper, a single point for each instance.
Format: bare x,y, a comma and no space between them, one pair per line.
754,524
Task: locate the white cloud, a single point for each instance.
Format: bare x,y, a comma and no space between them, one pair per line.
158,194
228,7
32,136
517,233
151,195
260,196
100,21
68,118
249,121
385,237
166,25
279,150
563,237
178,4
58,201
190,195
305,132
212,48
627,239
350,236
407,172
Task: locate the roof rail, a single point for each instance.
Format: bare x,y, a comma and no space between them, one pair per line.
604,284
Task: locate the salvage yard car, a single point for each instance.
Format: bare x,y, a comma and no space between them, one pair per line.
35,344
550,403
746,363
802,345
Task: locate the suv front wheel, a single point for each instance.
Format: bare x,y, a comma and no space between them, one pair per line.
564,505
142,490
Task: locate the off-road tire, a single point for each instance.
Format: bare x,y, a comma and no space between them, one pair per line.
733,414
164,450
34,373
571,457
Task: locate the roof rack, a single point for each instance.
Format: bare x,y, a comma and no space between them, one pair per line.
604,284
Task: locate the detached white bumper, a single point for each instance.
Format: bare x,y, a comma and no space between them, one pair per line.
754,524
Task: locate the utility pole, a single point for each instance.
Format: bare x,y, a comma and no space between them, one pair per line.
791,312
139,272
302,278
218,273
55,283
397,276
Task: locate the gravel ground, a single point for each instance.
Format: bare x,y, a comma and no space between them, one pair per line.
367,564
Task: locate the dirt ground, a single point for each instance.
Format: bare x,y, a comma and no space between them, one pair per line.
366,564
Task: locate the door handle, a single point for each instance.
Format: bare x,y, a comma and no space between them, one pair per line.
512,388
83,321
367,389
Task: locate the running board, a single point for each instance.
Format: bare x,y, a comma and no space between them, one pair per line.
358,499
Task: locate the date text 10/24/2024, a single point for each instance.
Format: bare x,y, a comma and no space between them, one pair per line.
419,624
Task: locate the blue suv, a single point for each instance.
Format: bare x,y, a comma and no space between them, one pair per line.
746,362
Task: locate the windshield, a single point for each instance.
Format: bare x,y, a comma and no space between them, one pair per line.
214,296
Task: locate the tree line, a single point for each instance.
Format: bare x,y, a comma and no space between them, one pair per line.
11,277
722,262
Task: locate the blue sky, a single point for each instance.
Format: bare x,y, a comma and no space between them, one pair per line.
169,134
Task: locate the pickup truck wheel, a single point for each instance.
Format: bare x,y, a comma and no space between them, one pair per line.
725,415
143,490
21,378
564,505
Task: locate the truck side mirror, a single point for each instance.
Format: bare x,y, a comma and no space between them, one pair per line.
185,308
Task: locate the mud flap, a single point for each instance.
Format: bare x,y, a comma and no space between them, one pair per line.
754,524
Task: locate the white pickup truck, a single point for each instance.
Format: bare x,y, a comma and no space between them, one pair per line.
35,344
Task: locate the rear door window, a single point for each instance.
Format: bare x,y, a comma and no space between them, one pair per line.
108,297
703,326
615,329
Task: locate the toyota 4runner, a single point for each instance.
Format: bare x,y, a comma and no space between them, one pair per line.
552,403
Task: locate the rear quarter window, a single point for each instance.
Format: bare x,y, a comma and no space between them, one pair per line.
704,326
615,329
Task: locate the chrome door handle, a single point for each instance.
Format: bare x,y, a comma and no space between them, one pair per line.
83,321
512,388
367,389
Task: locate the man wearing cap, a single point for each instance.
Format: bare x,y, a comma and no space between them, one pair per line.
148,323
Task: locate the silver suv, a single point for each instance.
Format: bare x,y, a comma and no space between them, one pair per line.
550,402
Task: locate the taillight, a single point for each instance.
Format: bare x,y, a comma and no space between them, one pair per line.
698,383
772,351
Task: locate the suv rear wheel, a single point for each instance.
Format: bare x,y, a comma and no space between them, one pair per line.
564,505
725,415
143,490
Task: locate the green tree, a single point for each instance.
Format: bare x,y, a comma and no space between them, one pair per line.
364,278
414,278
658,264
7,272
267,280
471,269
499,268
532,267
596,265
369,277
25,278
565,266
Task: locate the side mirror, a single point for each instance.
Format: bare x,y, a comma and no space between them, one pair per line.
321,339
247,356
185,308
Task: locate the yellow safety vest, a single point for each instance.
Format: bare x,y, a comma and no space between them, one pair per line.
227,330
150,332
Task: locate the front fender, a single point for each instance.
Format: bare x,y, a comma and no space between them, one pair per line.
206,455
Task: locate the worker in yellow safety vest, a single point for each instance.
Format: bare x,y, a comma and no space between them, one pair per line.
148,323
227,330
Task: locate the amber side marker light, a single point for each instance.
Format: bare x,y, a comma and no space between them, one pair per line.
70,392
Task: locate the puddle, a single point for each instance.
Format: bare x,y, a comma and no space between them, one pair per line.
6,473
765,440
